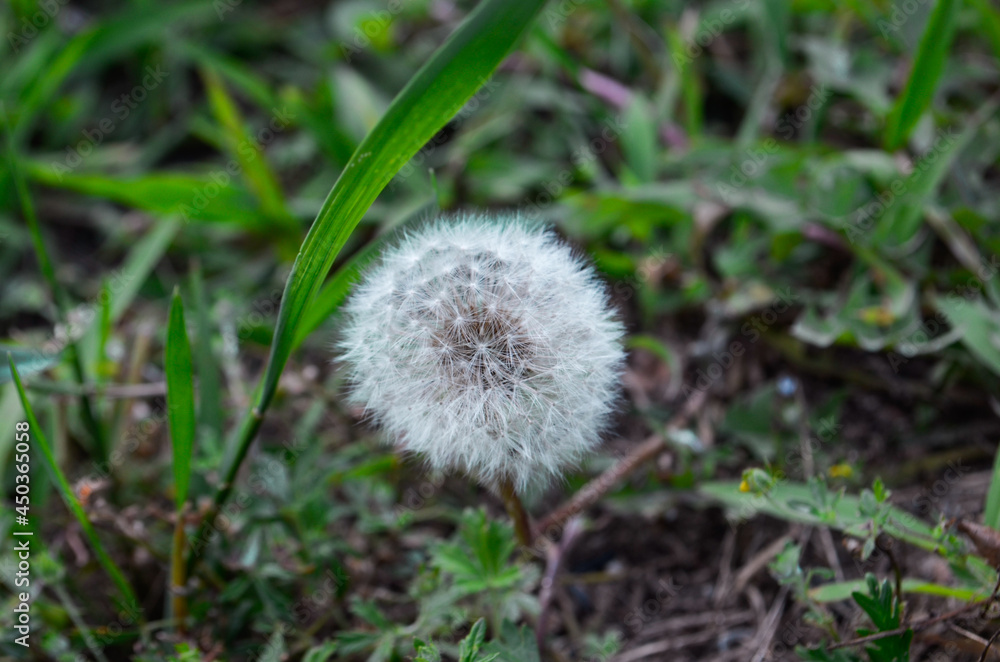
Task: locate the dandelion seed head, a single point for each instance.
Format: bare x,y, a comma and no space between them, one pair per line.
484,345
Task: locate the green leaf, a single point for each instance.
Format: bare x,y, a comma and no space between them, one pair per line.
902,218
479,560
426,652
884,611
837,591
198,198
980,325
468,650
927,69
38,439
142,259
797,502
515,645
180,398
336,289
210,412
991,516
321,652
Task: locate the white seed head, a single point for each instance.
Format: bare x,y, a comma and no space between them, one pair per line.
486,346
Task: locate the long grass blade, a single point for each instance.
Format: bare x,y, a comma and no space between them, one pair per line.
68,496
245,150
180,398
927,69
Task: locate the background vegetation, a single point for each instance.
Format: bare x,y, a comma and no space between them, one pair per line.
795,207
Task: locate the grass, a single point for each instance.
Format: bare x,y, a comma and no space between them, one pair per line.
794,206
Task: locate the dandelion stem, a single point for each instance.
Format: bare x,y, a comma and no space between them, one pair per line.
522,525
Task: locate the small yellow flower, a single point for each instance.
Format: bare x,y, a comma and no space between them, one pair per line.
744,485
842,470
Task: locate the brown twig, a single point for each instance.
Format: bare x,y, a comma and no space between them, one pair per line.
989,644
115,391
555,555
916,626
598,487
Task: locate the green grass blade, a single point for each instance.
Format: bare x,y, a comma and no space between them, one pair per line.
198,198
991,517
842,590
180,398
10,407
438,90
989,22
927,69
245,150
336,289
141,261
903,218
67,494
691,92
210,413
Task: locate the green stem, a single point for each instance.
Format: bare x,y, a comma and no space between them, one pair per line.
178,575
522,524
247,432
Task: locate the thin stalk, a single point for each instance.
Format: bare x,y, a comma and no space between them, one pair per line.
59,296
245,436
178,575
68,495
522,524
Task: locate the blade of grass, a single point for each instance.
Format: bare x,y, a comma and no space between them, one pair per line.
198,198
902,220
991,517
691,93
180,398
842,590
9,408
927,69
210,412
141,261
989,23
181,419
243,148
432,97
336,289
68,496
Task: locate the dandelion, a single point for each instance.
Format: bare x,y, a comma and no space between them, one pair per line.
484,345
